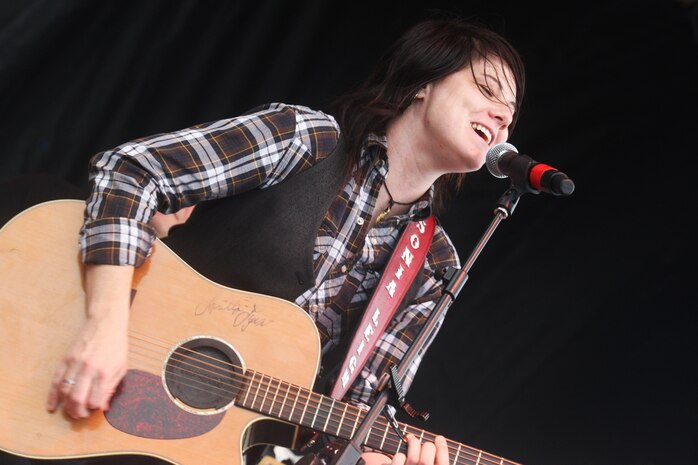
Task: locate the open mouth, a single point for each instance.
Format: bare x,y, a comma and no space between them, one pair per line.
483,132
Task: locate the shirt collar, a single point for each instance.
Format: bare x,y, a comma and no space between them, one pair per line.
377,146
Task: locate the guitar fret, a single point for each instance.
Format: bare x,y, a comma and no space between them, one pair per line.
263,395
324,428
455,459
256,393
317,409
341,420
283,403
479,456
385,434
249,388
400,442
304,409
295,401
273,400
356,422
266,393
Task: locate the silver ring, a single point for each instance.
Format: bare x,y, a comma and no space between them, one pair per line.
69,381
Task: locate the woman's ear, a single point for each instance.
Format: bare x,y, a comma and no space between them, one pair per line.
423,92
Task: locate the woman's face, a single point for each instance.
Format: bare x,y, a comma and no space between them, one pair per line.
466,113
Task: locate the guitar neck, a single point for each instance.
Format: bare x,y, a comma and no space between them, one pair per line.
301,406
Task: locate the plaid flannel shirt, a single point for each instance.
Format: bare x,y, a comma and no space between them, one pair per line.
170,171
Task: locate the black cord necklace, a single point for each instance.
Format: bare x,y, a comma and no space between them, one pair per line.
391,202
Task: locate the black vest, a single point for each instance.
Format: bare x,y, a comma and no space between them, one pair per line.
263,240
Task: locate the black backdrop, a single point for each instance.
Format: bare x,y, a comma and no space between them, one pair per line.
574,340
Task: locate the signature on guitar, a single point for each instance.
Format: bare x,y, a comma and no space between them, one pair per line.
242,318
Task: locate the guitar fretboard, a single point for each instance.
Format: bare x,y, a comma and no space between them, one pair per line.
304,407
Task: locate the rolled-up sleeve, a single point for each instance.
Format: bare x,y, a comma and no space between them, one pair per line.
167,172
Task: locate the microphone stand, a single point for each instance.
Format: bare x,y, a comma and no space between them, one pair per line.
350,453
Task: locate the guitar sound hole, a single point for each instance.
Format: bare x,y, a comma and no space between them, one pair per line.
204,373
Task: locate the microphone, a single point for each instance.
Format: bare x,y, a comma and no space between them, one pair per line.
503,160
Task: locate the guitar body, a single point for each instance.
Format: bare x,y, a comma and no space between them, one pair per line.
175,313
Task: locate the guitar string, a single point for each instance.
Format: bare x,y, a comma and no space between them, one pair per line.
392,444
391,441
309,396
318,406
262,383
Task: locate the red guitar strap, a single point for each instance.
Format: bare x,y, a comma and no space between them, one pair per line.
403,267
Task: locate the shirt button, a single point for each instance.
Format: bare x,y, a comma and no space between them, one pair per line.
344,268
360,221
313,308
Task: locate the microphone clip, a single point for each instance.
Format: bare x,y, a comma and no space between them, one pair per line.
518,168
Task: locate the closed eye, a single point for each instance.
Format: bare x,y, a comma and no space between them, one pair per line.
486,90
490,94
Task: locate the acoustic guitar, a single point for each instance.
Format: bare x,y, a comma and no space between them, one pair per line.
207,362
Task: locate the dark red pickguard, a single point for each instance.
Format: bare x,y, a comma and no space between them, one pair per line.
142,407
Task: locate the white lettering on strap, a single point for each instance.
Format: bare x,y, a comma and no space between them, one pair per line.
352,363
399,271
360,349
391,287
407,257
375,316
414,241
368,332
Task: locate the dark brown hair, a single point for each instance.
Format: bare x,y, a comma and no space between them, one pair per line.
427,52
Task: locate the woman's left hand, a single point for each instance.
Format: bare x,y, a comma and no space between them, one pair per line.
427,453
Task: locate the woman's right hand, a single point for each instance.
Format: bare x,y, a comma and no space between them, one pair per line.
90,372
